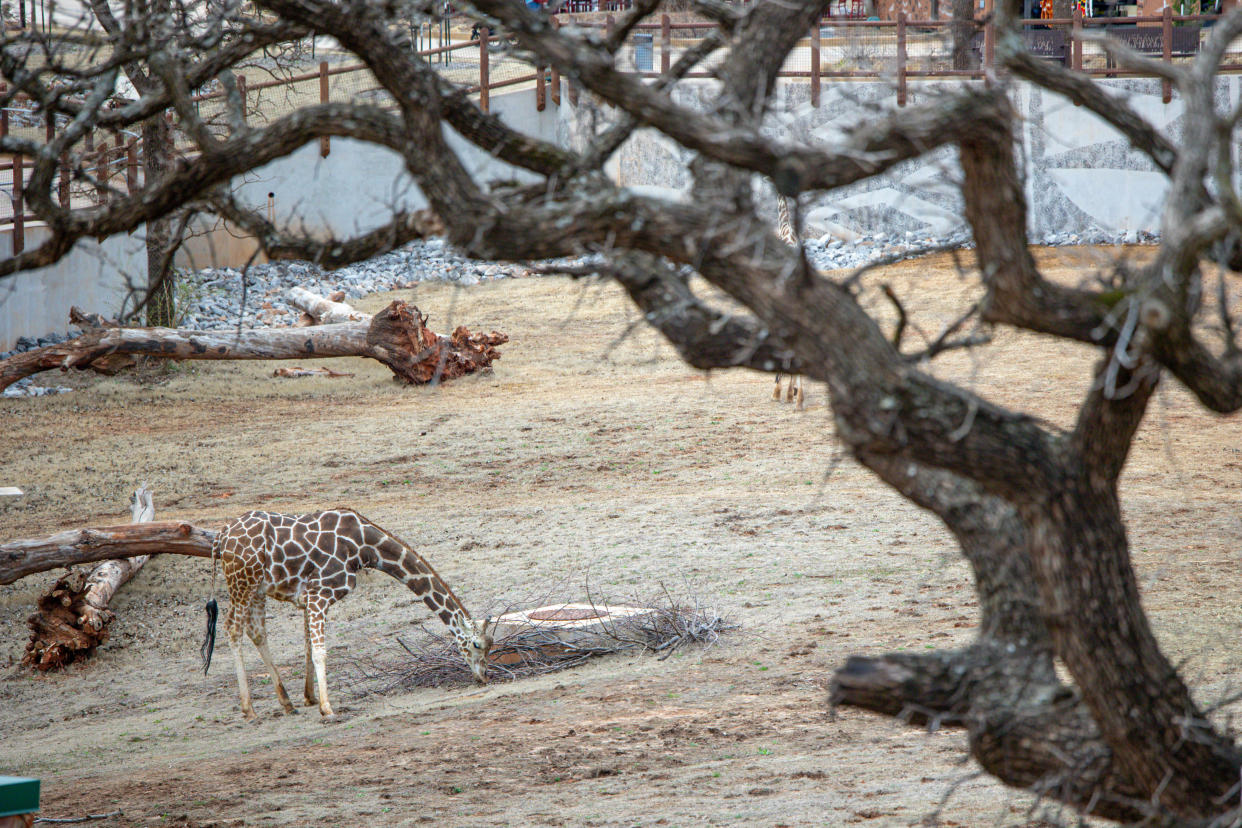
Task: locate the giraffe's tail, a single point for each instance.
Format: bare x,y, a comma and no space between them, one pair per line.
213,611
209,640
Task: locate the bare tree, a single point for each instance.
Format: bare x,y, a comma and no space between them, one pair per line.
1035,509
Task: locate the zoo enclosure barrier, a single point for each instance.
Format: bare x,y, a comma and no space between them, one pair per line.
837,48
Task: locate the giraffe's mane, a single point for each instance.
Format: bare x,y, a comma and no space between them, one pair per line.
410,551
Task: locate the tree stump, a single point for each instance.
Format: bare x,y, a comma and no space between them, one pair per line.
73,616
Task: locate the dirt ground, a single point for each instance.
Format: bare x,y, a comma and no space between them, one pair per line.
589,454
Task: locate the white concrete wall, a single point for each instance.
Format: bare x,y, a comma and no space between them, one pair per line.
356,188
352,190
95,276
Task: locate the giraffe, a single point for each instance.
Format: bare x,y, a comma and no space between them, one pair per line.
789,235
312,561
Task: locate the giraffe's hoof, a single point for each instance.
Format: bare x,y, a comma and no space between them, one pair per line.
249,715
290,710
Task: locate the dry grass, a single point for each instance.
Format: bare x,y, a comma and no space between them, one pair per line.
583,452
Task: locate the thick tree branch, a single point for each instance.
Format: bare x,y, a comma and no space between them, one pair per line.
705,337
996,208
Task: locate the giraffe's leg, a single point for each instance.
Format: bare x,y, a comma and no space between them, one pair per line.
234,624
801,398
316,608
257,628
789,389
776,393
308,688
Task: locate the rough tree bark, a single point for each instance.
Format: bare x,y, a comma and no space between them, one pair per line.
963,29
396,336
157,143
73,615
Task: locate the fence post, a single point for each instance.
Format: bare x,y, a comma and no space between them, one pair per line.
19,203
556,73
63,181
1166,40
49,129
610,23
901,58
101,170
241,91
989,35
325,143
815,65
666,43
119,144
484,76
571,91
541,88
15,178
131,166
1076,44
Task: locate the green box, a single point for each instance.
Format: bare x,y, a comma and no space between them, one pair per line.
18,795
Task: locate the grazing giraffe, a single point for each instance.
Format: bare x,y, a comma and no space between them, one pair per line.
312,561
789,235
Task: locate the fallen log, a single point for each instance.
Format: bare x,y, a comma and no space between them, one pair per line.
316,310
396,336
20,558
73,615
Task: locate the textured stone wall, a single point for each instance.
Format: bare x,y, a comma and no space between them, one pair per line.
1082,177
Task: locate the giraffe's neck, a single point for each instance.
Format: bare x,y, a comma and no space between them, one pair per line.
386,553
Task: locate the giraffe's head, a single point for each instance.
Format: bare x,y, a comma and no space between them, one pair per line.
475,647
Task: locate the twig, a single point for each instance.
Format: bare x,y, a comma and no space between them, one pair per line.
435,660
901,314
87,818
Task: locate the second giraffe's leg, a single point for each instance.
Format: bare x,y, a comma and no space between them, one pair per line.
776,393
801,398
233,621
315,609
789,389
308,688
258,634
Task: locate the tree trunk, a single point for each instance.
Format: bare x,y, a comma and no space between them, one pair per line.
73,615
963,28
157,142
27,556
396,336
